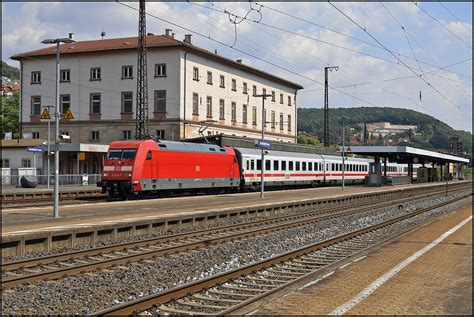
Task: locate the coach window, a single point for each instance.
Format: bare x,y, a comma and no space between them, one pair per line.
268,165
290,165
298,166
248,164
259,165
275,165
310,166
332,167
303,166
252,165
283,165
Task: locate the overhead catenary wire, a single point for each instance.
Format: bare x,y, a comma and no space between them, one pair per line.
401,61
450,12
241,51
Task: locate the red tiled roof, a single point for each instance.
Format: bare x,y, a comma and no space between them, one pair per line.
151,41
101,45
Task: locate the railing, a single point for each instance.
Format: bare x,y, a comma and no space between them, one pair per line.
64,179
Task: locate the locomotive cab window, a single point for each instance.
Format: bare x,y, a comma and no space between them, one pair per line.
121,154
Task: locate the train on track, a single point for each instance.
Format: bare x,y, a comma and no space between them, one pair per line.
154,168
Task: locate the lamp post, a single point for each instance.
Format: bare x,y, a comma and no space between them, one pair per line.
262,186
343,157
49,148
57,114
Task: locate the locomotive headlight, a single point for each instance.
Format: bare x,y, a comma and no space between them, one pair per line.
129,175
106,174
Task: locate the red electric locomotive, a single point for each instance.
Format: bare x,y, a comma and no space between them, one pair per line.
148,167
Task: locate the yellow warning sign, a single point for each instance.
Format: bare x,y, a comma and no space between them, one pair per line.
45,114
82,156
68,114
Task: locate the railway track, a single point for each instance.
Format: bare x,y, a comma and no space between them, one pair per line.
71,263
227,292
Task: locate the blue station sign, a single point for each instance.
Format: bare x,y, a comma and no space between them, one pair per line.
34,149
265,144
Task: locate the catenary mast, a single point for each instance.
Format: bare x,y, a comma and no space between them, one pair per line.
141,131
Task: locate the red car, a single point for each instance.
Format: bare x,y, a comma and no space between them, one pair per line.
137,168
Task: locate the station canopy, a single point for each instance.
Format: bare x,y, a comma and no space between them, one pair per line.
405,154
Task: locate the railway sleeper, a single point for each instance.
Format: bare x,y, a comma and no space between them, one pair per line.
265,279
278,276
200,305
311,263
287,273
293,269
229,294
243,289
225,300
175,311
243,282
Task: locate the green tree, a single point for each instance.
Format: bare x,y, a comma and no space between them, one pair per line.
9,113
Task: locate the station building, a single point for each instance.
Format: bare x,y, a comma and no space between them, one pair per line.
186,85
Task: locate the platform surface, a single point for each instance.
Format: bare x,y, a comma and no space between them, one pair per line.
39,218
10,189
438,282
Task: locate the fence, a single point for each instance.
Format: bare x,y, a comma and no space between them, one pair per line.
64,179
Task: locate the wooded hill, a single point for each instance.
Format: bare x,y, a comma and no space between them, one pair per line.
10,71
432,134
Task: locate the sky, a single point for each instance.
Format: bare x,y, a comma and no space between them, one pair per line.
414,55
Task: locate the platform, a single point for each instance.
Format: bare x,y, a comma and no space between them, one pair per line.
10,192
35,228
438,282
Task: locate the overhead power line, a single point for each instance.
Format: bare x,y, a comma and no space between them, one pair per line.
462,23
443,26
244,52
401,61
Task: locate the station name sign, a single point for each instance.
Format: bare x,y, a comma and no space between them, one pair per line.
34,149
264,144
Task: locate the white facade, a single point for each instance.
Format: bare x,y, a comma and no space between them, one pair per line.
180,119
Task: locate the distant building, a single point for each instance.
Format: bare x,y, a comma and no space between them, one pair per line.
386,128
7,90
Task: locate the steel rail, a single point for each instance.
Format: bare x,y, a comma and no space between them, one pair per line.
141,304
268,227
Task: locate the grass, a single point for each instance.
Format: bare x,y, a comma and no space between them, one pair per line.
468,172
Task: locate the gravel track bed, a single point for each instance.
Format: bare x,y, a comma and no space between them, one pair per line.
86,293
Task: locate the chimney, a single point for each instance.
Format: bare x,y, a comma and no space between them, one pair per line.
150,34
168,32
173,35
239,61
187,38
71,35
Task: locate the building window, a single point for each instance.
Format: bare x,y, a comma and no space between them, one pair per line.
289,101
65,75
160,100
196,73
127,102
95,73
126,135
160,70
281,98
254,90
26,163
222,81
234,112
234,84
289,122
244,89
273,119
127,72
254,116
221,109
281,121
264,92
273,96
95,136
244,114
209,78
35,105
35,135
5,163
160,134
65,101
95,103
209,106
195,104
35,77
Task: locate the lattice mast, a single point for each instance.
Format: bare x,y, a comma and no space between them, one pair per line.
141,125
